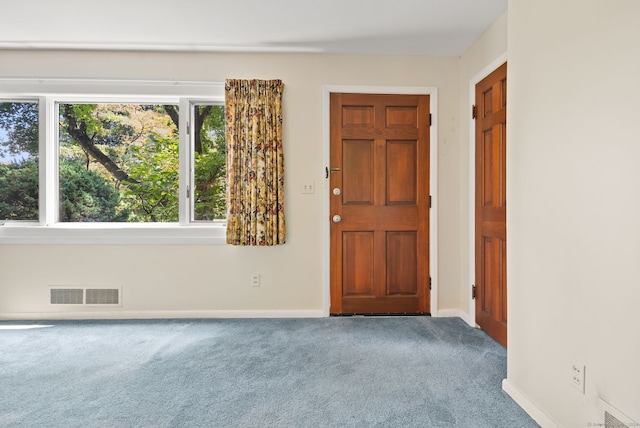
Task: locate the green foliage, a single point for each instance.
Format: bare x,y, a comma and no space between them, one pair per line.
155,166
84,195
19,191
210,167
141,140
84,114
20,121
210,197
87,197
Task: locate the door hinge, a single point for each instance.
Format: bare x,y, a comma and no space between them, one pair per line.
188,129
473,291
429,201
474,112
429,283
188,192
430,119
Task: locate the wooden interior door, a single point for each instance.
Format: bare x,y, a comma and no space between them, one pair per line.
491,205
379,186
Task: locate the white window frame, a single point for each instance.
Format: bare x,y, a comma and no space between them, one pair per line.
189,209
50,92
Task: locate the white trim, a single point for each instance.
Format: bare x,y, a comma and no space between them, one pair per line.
112,233
432,91
185,162
88,315
538,415
48,162
491,67
454,313
155,47
79,89
52,153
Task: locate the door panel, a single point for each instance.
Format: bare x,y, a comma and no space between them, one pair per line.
358,263
402,172
357,116
358,169
380,164
401,117
493,249
491,205
402,260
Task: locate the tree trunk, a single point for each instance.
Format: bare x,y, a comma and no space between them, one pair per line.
200,117
173,114
197,127
79,133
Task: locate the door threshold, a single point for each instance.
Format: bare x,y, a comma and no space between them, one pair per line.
389,314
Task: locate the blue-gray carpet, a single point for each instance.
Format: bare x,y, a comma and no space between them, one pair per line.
329,372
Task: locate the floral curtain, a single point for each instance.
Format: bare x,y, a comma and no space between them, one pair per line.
255,162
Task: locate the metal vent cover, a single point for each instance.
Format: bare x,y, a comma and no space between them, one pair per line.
611,421
66,296
61,295
102,296
611,417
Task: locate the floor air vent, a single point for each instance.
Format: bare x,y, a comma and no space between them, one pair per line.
611,421
613,418
102,296
66,296
85,296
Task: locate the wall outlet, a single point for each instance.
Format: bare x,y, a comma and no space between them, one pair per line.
255,280
309,187
577,371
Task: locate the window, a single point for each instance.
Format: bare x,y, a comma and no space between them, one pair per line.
118,163
113,159
19,160
209,163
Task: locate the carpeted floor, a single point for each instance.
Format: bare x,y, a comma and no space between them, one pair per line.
328,372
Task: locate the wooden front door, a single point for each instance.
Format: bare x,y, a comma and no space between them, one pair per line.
379,186
491,205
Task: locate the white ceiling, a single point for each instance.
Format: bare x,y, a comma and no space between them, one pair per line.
387,27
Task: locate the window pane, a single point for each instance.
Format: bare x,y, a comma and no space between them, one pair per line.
19,161
118,163
209,156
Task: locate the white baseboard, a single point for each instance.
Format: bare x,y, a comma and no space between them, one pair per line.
450,313
162,314
528,406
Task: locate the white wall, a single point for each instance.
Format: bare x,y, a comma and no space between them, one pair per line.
573,219
195,280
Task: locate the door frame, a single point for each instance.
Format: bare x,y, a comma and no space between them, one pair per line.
490,68
433,181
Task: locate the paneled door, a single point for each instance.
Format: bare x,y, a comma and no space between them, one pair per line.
379,184
491,204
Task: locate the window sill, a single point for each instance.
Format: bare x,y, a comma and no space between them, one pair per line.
113,234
